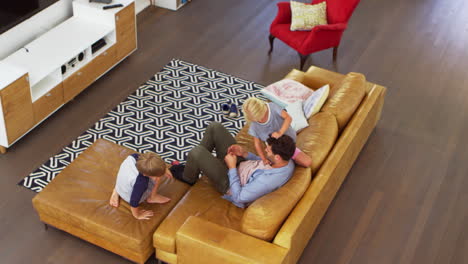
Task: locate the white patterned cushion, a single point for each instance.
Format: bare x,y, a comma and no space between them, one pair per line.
286,91
307,16
299,121
313,104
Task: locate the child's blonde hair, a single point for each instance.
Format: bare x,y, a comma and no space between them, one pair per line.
254,109
151,164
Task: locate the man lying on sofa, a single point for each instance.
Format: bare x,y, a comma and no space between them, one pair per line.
240,175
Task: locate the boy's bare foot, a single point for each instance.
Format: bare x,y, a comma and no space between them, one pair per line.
158,199
115,199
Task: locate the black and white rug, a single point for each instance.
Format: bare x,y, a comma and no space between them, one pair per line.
167,115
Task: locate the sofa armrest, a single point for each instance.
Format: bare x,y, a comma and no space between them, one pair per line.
200,241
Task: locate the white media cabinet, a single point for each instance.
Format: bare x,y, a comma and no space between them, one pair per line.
32,83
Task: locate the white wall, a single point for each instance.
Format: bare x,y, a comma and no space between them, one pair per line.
32,28
141,4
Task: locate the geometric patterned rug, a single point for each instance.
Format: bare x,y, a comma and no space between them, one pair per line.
167,115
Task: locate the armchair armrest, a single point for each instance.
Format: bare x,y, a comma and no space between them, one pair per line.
284,14
200,241
323,37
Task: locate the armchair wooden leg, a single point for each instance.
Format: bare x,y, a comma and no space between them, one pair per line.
271,38
303,59
335,53
2,150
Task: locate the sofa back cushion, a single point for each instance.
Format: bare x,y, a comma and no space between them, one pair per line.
345,98
263,218
318,138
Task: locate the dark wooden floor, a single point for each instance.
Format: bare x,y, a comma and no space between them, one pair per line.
405,199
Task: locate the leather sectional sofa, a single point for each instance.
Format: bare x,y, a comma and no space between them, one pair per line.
198,226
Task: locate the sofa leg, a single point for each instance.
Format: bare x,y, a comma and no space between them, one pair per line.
2,150
303,59
271,38
335,53
46,227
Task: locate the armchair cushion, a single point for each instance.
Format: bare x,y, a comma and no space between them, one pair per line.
307,16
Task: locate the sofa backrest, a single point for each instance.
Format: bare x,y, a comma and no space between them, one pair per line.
345,98
318,138
263,218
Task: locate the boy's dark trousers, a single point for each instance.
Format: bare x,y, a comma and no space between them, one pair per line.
200,158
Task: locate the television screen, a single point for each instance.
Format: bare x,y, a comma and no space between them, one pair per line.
14,12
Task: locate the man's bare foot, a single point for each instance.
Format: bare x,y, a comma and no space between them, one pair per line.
115,199
158,199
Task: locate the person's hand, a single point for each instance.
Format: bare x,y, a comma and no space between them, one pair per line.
144,215
266,161
230,161
276,134
236,150
168,174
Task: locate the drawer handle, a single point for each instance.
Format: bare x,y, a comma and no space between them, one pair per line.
79,73
49,94
105,53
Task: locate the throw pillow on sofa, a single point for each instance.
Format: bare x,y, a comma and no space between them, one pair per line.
286,91
314,103
306,16
299,121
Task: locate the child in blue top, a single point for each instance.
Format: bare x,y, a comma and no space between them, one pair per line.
138,180
268,118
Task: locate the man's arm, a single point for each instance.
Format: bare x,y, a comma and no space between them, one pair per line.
247,193
239,151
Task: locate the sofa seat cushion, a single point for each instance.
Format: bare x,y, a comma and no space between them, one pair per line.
318,138
201,200
345,98
79,197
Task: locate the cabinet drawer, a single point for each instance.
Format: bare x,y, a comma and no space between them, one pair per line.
125,46
48,103
125,19
17,108
81,79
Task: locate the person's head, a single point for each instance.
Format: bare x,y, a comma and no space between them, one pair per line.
151,165
254,109
281,148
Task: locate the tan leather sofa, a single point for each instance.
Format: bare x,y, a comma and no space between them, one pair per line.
198,226
204,228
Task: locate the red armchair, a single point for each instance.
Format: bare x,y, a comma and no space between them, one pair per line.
320,37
